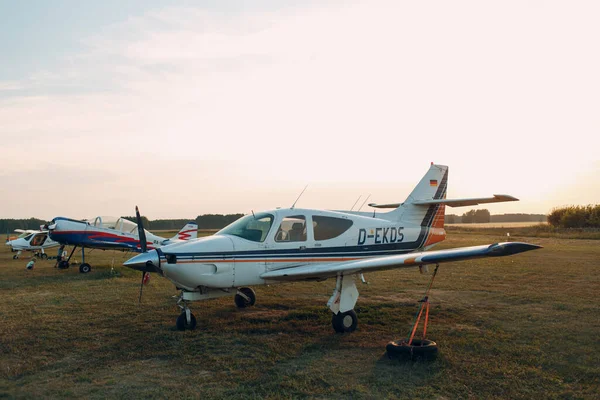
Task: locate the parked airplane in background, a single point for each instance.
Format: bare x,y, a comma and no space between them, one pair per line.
31,240
108,233
292,244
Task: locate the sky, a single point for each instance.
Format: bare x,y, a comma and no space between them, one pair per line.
194,107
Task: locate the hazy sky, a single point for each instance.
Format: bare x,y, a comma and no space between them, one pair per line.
195,107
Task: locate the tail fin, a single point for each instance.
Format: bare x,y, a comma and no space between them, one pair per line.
189,231
433,186
426,205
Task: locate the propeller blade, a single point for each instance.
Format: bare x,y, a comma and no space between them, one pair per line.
141,232
141,287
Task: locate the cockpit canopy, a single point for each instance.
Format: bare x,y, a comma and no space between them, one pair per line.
293,226
119,224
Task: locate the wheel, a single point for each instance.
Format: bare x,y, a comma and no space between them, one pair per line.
44,256
419,349
344,322
241,302
182,323
85,268
63,265
15,257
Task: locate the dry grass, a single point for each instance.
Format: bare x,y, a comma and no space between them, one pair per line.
518,327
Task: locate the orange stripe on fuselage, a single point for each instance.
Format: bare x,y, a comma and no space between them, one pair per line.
273,260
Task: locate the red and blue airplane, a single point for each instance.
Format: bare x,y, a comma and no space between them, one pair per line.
109,233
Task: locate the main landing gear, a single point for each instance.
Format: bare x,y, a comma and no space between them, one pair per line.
341,303
244,297
84,267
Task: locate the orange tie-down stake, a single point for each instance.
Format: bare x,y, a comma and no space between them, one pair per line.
411,348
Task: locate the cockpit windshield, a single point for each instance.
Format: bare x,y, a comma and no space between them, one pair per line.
251,227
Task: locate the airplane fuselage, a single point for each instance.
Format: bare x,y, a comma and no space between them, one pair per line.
235,257
80,233
32,241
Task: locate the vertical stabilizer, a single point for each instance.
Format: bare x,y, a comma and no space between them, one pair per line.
432,186
190,231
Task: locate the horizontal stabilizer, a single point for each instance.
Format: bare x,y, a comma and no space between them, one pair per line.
498,198
317,271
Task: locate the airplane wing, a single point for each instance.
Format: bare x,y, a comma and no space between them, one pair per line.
399,261
25,231
497,198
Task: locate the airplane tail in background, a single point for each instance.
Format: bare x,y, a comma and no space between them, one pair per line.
189,231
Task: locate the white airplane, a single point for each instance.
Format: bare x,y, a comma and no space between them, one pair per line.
285,245
31,240
109,233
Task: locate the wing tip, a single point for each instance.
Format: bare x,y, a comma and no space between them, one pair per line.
509,248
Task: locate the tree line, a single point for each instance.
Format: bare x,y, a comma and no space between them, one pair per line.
9,225
575,217
482,216
206,221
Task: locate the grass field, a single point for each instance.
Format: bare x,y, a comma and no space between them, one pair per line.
526,326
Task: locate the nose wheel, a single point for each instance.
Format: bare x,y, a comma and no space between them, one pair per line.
186,319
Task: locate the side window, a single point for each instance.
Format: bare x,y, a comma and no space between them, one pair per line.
329,227
292,229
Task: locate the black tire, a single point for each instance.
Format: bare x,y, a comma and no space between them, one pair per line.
15,257
63,265
241,302
418,350
85,268
182,323
44,256
344,322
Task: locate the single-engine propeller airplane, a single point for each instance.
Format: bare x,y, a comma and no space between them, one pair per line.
285,245
109,233
31,240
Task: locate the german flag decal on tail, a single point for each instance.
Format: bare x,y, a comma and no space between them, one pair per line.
433,182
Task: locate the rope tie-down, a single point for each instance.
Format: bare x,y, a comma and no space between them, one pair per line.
410,348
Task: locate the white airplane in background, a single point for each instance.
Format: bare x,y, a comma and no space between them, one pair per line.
285,245
109,233
31,240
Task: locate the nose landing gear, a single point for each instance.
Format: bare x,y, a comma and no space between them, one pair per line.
186,319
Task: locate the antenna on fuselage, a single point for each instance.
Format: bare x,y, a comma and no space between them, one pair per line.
355,202
361,206
253,214
301,193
